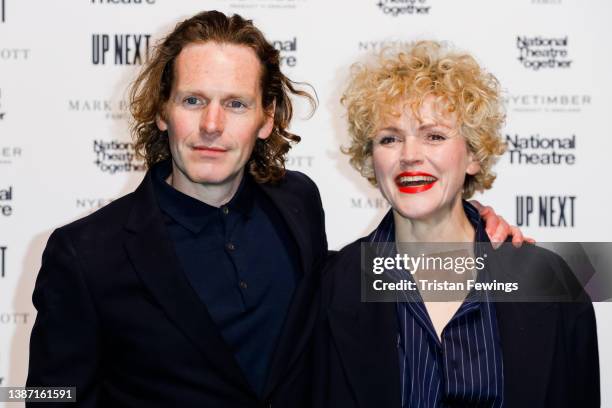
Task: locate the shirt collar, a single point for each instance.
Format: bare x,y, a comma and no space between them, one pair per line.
194,214
385,232
383,239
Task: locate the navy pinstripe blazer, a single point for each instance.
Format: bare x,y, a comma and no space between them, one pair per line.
549,350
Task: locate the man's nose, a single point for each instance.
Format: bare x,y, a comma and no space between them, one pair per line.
412,152
212,120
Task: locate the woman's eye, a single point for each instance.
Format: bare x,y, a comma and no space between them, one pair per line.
385,140
435,137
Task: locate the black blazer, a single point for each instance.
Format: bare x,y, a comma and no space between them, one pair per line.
549,349
118,319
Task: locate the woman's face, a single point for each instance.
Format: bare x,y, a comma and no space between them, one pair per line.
421,164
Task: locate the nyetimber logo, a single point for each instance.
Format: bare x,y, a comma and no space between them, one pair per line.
116,157
399,7
9,153
90,204
551,103
543,52
381,45
125,49
536,149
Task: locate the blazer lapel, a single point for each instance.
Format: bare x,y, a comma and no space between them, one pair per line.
300,317
151,251
366,339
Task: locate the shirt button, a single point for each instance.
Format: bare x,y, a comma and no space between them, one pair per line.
225,210
230,246
243,285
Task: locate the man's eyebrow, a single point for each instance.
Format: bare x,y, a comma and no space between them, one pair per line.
229,95
248,98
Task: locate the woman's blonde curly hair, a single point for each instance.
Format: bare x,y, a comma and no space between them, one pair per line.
409,75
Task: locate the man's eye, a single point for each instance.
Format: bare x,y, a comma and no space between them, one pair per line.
236,104
192,100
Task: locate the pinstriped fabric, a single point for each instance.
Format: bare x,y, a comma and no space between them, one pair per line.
464,368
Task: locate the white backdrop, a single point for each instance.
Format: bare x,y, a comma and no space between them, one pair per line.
64,144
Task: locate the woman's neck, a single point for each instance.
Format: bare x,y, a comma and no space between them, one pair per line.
446,225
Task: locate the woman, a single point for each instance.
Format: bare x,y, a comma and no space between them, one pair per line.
425,128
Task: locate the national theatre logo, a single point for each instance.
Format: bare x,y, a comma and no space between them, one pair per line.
116,157
120,49
543,52
538,150
6,197
556,211
399,7
551,103
288,51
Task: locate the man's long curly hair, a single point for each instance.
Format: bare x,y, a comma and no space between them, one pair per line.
151,90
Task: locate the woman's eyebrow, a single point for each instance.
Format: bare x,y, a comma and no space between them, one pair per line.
390,129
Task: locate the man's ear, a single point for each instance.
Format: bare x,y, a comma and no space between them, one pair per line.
266,128
161,122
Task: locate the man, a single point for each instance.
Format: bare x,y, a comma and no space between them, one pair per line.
197,289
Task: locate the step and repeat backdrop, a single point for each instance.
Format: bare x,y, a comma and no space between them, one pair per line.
65,148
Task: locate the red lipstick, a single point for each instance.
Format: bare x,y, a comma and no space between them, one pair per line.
412,182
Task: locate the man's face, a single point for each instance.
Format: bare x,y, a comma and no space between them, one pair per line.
214,115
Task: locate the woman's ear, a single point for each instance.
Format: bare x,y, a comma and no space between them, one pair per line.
473,167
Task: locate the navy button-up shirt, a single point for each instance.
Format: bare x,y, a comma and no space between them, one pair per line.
241,260
462,369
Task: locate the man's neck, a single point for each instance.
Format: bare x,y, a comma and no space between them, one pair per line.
450,225
214,195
